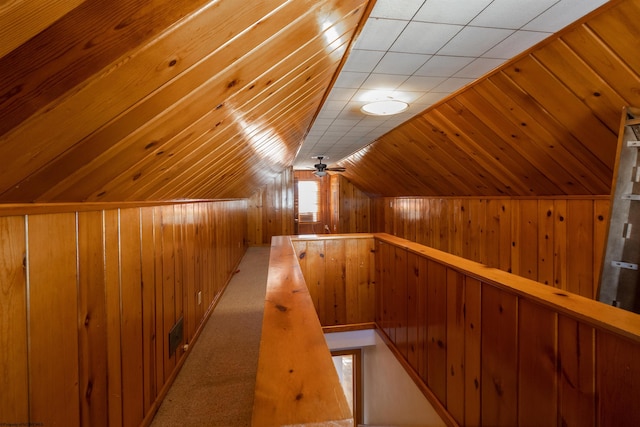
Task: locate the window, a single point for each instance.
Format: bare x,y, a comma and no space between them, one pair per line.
308,201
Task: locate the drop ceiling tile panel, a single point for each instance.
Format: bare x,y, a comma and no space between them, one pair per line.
363,60
511,14
400,63
562,14
420,83
452,84
383,81
379,34
396,9
424,37
443,66
350,79
474,41
451,11
516,43
479,67
342,94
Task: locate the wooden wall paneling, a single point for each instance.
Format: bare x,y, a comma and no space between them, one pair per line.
387,261
560,244
472,352
178,231
499,386
20,21
618,378
537,365
531,157
610,65
535,125
92,319
53,319
335,282
316,273
455,330
113,298
162,344
189,296
576,373
600,229
478,228
437,330
583,81
545,241
149,325
567,109
413,274
423,319
617,28
498,157
596,171
14,368
580,236
351,280
366,281
131,320
169,309
528,239
460,227
492,244
399,303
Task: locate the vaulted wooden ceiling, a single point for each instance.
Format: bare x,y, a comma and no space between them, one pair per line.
162,99
119,100
546,123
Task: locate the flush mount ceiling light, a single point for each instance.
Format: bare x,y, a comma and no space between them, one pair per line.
384,108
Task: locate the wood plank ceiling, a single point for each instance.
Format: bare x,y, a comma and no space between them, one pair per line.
545,123
124,100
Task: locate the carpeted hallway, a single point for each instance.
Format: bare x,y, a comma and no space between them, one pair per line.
216,384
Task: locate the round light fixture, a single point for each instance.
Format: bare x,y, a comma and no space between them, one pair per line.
384,108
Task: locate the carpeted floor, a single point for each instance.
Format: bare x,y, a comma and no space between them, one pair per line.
216,384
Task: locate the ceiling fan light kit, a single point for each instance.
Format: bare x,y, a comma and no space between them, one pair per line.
321,168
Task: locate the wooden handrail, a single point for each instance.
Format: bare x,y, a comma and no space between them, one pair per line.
585,310
296,383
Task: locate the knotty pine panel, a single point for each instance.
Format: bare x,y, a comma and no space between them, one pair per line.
97,322
555,241
339,273
511,353
14,367
270,210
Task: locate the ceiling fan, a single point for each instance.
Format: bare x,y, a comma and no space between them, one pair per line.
321,168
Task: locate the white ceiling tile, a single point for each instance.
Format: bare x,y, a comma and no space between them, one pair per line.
479,67
396,9
511,13
400,63
516,43
443,66
342,94
451,11
350,79
363,60
420,83
379,34
383,81
331,104
453,84
424,37
474,41
562,14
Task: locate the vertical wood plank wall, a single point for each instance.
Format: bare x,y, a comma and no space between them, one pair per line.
87,301
350,207
505,355
555,241
270,210
339,272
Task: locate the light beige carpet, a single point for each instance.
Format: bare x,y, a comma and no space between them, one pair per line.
215,386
